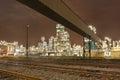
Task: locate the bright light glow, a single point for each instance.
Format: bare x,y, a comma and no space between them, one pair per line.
17,50
92,28
107,38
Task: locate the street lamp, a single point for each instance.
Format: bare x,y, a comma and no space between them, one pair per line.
27,38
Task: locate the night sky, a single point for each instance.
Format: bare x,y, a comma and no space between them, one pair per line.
14,16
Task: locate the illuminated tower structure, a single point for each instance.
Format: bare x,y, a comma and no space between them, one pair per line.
3,48
51,44
106,46
44,45
62,43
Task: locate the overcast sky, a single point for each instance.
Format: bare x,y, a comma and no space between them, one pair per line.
14,16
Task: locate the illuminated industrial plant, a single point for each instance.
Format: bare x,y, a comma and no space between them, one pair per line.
7,48
60,45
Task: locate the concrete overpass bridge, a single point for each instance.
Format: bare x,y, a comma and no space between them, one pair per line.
58,11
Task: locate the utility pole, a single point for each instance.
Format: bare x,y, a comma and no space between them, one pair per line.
27,39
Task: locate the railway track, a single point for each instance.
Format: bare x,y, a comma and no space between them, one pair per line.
38,64
10,75
98,63
71,70
4,76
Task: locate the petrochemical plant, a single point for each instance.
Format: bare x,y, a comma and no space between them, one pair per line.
60,45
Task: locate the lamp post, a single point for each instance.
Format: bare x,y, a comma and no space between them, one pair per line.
27,39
